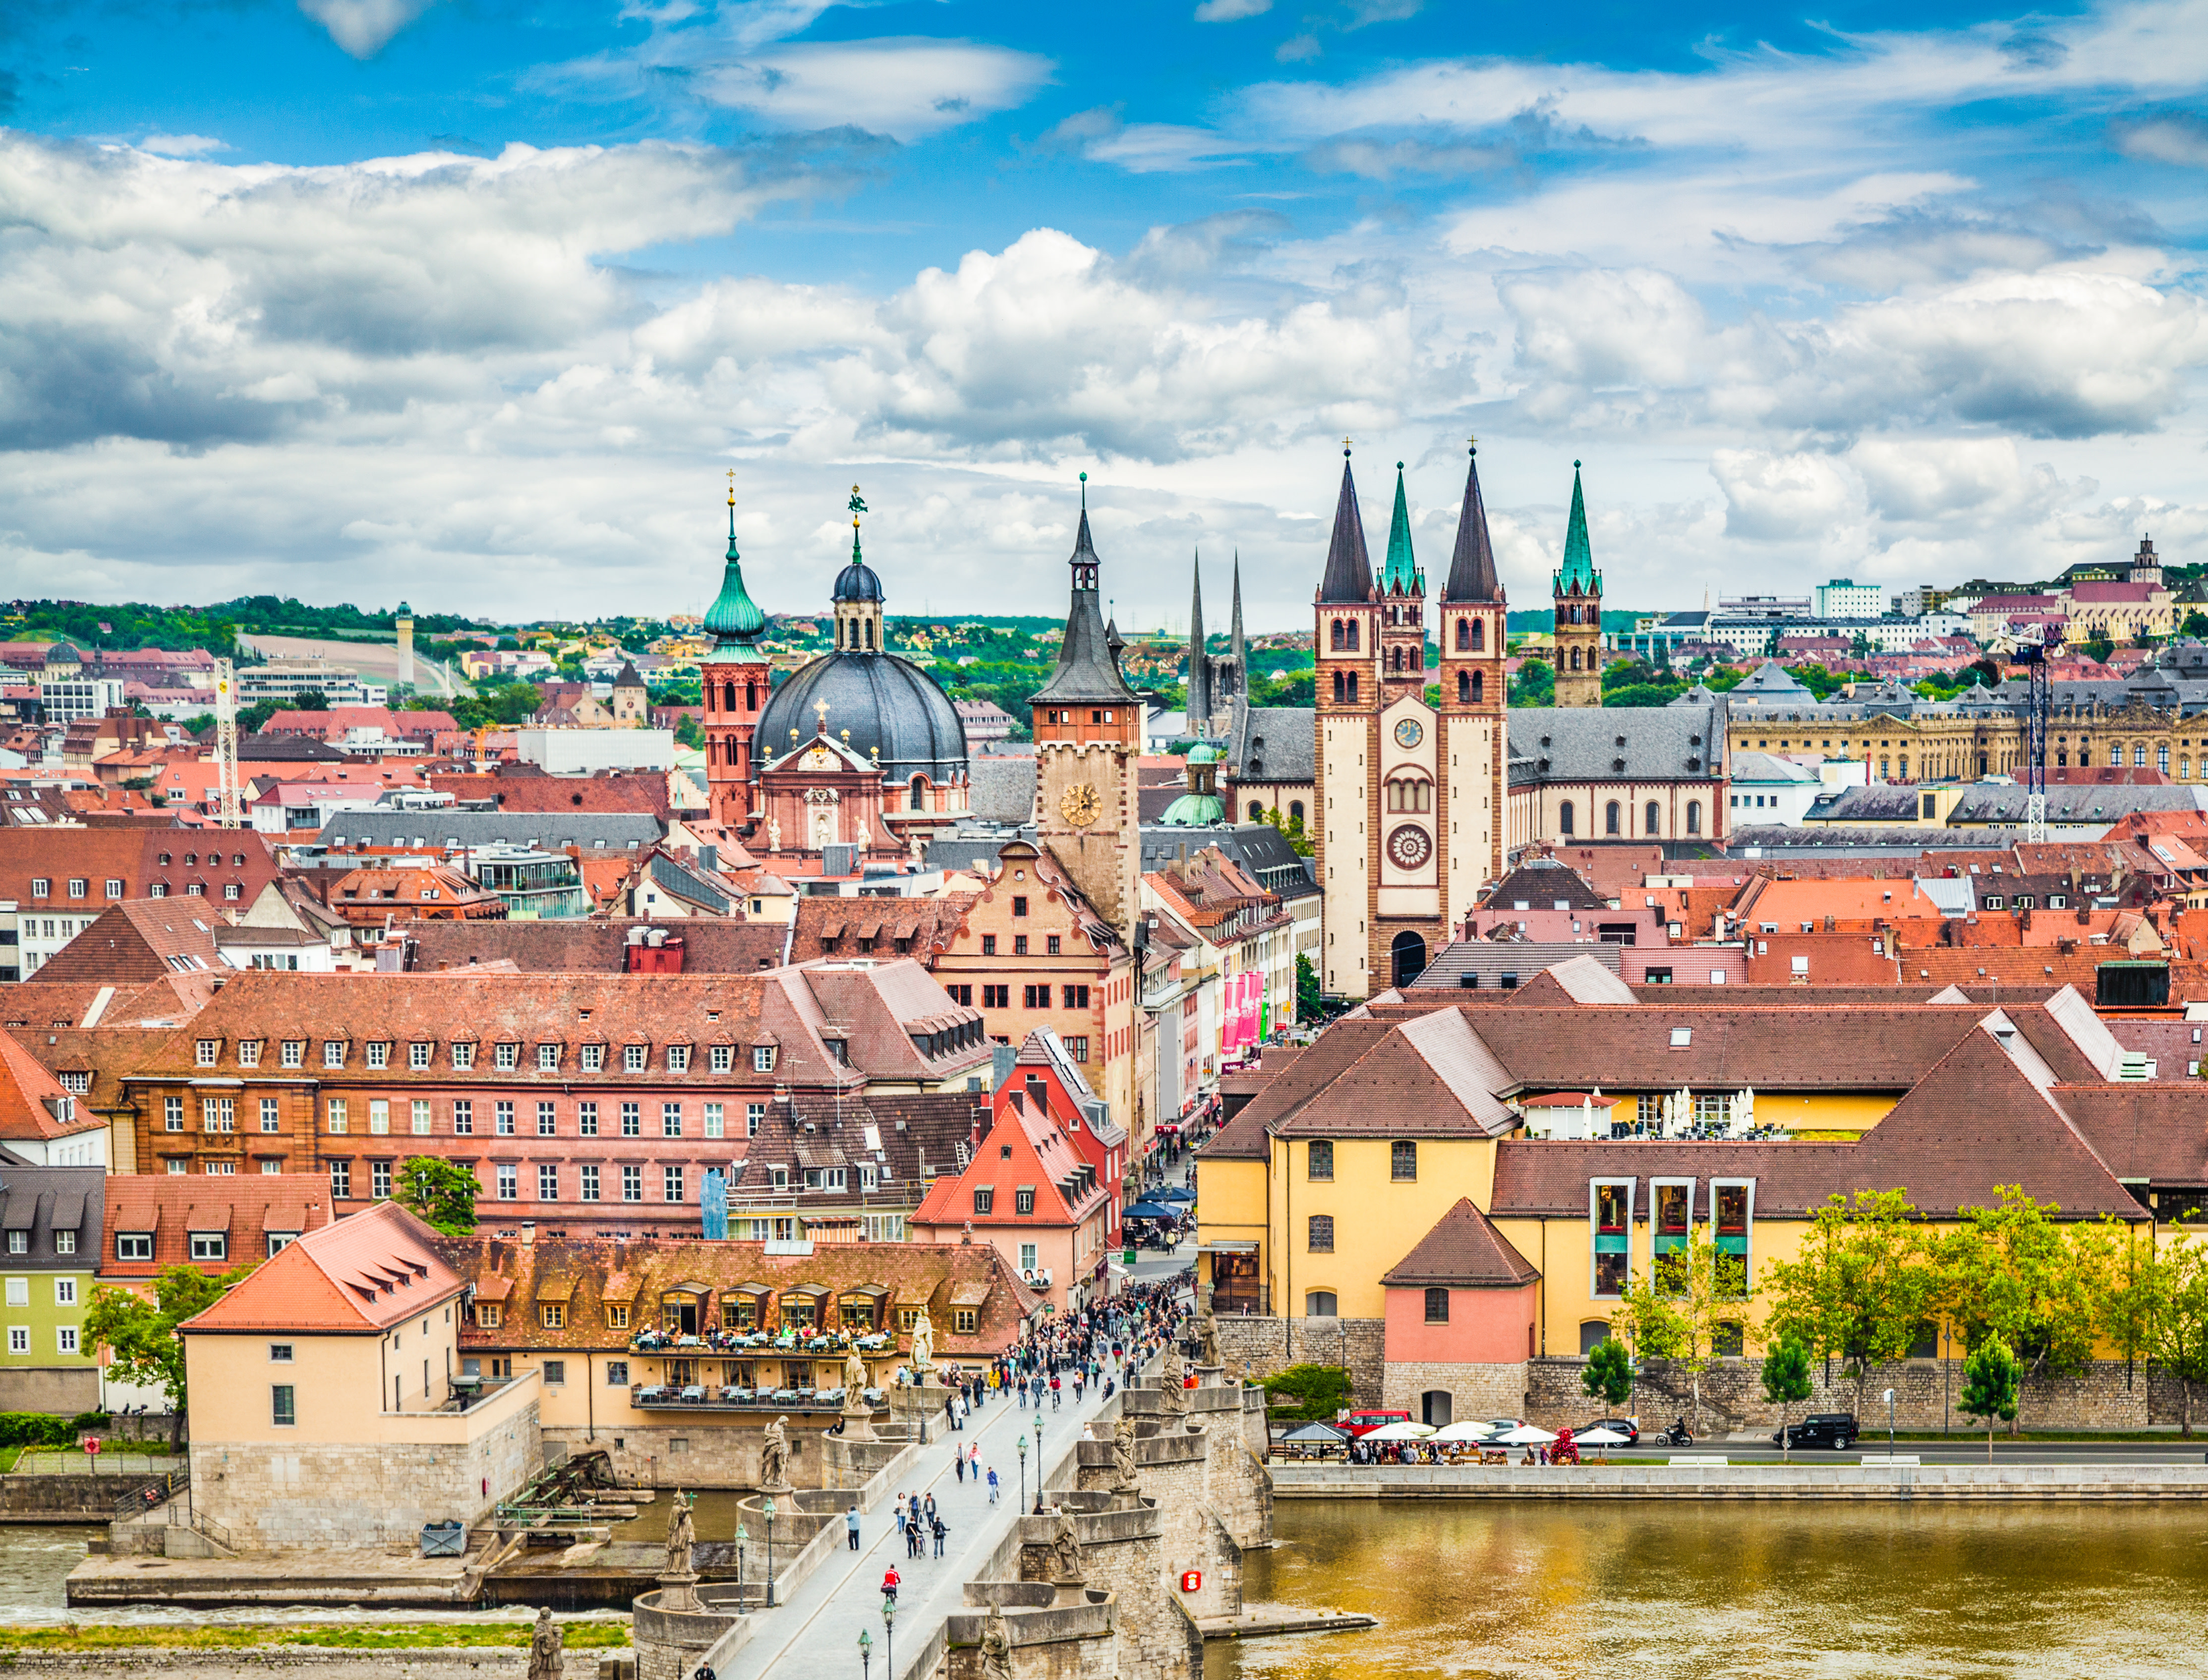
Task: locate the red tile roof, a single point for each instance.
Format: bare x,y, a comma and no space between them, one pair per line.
358,1276
1465,1250
249,1207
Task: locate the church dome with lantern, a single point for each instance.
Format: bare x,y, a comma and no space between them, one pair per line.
887,708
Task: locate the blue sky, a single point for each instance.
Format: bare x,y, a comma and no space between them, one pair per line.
477,301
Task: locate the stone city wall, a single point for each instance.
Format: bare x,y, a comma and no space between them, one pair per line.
709,1450
1474,1390
1261,1347
345,1497
2107,1394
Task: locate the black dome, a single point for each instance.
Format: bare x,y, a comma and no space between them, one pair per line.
891,707
857,582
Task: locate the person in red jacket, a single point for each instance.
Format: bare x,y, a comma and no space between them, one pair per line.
889,1583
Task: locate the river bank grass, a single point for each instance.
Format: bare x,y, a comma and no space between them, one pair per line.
432,1636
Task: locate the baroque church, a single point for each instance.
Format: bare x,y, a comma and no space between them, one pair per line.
1412,797
858,749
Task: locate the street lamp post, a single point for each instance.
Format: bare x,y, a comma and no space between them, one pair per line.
1038,1441
1023,1470
866,1653
889,1633
1889,1422
766,1509
741,1540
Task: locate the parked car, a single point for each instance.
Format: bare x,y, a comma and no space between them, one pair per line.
1502,1425
1624,1426
1364,1423
1836,1430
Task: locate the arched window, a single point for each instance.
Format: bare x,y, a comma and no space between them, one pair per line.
1479,687
2115,757
1694,816
750,696
1652,818
1464,635
2062,760
1295,810
870,635
2184,769
1565,818
1352,676
1335,639
1463,687
1479,636
1352,635
1410,792
919,793
1395,658
1256,810
1341,686
2139,756
1575,659
1610,817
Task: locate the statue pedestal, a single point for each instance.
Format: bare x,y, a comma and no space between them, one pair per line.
1069,1592
859,1423
920,1406
679,1592
780,1490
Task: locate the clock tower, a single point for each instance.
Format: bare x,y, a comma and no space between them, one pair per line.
1087,727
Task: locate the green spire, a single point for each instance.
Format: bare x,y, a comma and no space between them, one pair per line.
1401,571
1579,557
732,617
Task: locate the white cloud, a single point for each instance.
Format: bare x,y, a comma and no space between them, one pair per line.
2174,137
1779,497
181,146
905,88
364,27
1228,11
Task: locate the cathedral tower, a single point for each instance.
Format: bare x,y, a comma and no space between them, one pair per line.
1346,643
1402,607
1200,703
1087,727
734,679
1473,622
1579,612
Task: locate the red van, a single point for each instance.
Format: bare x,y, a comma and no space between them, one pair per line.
1364,1423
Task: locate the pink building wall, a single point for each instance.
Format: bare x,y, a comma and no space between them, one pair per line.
1485,1327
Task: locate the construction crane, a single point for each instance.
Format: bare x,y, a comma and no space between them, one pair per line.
225,742
2038,705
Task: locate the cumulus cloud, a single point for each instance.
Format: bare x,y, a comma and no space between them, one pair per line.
2173,137
903,88
1229,11
1778,497
1382,160
364,27
181,146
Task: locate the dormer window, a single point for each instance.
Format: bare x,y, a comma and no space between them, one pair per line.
379,1055
207,1052
634,1057
463,1057
419,1054
594,1058
248,1053
506,1057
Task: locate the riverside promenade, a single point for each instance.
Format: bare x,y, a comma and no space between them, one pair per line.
1875,1478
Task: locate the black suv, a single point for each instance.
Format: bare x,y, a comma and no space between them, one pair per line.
1836,1430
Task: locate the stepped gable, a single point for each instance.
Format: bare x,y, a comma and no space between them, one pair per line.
1465,1250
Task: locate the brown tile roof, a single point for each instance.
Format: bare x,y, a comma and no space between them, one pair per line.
635,1274
1432,1076
709,945
1463,1249
1247,1136
2155,1131
1023,1150
248,1207
921,927
137,940
133,855
33,1103
355,1277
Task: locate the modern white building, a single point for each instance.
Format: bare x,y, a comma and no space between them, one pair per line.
68,699
1844,599
585,752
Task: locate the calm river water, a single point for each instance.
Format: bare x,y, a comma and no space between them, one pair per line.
1684,1592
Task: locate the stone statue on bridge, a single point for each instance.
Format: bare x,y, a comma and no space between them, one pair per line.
1172,1398
681,1535
545,1643
1123,1478
855,1378
1065,1569
1206,1337
923,1348
774,1457
996,1647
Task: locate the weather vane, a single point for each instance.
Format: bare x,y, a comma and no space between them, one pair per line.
858,507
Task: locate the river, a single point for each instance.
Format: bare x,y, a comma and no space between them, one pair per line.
1681,1592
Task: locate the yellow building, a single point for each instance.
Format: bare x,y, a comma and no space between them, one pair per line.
330,1410
1345,1168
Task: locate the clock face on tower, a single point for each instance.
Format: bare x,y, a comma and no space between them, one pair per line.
1079,805
1409,847
1409,733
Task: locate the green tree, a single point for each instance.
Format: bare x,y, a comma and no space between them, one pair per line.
252,719
2177,1317
1688,1304
1787,1382
2010,1272
1308,1393
2117,1265
2196,624
1609,1374
1992,1378
310,700
1860,1287
2098,647
1309,1005
1535,683
141,1335
1292,830
688,732
441,1192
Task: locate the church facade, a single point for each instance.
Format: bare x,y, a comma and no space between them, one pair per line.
1411,792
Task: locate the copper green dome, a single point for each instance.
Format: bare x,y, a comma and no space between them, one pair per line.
1194,811
734,616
